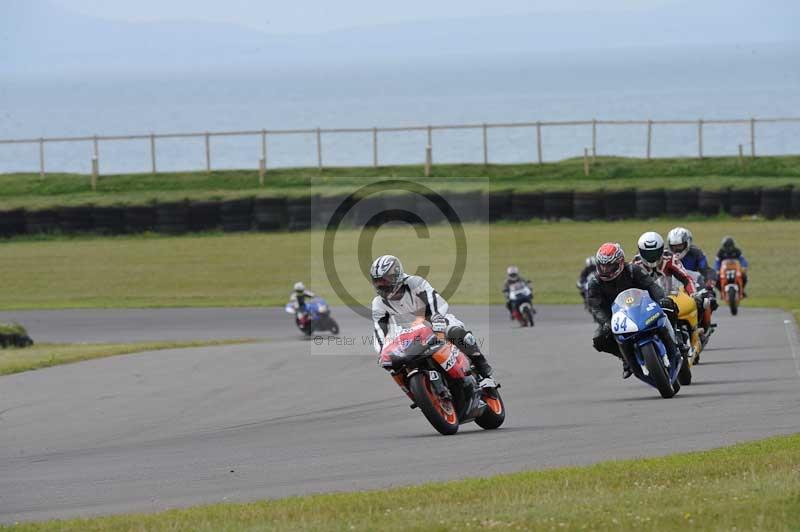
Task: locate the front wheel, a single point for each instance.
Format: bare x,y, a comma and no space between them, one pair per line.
732,300
334,327
685,374
529,315
657,371
495,413
439,411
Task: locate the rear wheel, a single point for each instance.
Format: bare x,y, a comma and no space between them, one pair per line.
334,327
732,300
657,371
495,413
439,411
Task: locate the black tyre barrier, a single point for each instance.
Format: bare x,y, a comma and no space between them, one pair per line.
499,205
370,211
12,222
467,205
76,219
270,214
588,205
620,204
140,219
776,202
42,222
527,205
299,213
428,210
712,202
558,205
795,209
204,215
236,215
172,218
15,340
109,220
650,203
681,202
745,201
326,207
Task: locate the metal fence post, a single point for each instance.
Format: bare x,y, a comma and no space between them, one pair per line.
430,143
741,156
485,146
539,141
594,139
319,149
700,138
95,172
96,152
428,160
264,147
208,152
753,138
153,152
375,147
41,157
586,162
649,138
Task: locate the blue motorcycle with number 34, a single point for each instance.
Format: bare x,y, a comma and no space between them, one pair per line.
636,323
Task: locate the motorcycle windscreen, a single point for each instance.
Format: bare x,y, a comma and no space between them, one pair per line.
629,299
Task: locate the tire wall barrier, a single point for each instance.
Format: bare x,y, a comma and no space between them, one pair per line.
299,214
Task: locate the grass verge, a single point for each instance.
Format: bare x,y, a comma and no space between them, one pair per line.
15,360
751,486
29,190
255,269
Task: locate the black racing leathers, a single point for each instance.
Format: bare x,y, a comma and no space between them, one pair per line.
601,294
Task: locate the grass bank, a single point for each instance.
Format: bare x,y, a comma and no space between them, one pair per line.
259,269
751,486
29,190
14,360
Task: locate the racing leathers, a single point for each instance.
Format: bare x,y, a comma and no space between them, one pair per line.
696,261
416,299
601,294
731,253
298,299
508,283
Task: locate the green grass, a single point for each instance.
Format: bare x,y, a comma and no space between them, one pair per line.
254,269
16,360
751,486
29,190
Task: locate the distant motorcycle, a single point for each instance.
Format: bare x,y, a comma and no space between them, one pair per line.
731,282
439,380
521,297
635,322
314,316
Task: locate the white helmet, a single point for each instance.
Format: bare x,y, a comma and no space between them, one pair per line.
651,248
299,287
387,275
512,272
679,240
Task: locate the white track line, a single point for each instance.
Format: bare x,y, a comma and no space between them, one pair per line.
788,326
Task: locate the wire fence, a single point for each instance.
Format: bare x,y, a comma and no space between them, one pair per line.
320,135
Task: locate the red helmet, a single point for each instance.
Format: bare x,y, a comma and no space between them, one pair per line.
610,261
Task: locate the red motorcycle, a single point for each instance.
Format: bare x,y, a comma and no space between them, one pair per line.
439,380
731,282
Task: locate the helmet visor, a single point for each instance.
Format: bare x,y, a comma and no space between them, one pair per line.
608,270
384,286
651,256
678,249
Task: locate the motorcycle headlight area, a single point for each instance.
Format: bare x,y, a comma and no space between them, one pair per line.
622,324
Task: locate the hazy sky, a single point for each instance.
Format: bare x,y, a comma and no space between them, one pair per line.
311,16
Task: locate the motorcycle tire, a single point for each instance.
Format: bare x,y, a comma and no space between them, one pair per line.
495,413
654,366
334,327
439,412
732,300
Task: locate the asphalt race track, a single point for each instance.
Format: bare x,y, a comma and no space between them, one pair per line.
284,416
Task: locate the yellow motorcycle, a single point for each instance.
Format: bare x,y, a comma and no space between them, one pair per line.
687,317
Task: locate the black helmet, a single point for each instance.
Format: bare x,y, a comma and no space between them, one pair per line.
728,243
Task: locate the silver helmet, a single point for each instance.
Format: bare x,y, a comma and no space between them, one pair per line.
679,240
387,275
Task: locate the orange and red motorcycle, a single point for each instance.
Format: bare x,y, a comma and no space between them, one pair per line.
731,283
439,380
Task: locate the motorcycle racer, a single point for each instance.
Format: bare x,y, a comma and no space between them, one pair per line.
402,298
691,256
614,276
728,250
512,277
299,295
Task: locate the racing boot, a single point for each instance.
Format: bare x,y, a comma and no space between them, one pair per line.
481,365
626,370
467,343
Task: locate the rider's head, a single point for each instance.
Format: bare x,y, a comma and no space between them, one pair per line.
610,261
512,272
651,248
387,275
679,240
299,287
728,243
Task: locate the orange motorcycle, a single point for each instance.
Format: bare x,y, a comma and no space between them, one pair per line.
731,283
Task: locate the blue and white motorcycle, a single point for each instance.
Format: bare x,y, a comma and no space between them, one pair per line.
314,316
635,322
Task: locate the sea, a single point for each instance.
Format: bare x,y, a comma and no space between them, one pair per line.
685,83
